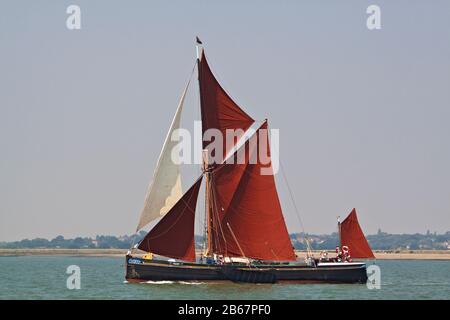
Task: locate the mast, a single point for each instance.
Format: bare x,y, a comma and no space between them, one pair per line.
198,47
205,158
208,216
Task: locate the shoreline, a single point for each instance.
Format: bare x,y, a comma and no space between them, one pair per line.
379,254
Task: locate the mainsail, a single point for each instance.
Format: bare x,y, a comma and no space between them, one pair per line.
353,237
165,189
173,235
247,215
218,110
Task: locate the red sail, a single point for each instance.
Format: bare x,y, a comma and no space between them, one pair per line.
219,111
173,236
353,237
250,222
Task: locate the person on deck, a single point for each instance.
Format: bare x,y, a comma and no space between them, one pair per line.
346,254
338,254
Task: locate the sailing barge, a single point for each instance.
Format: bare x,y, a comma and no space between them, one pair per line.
246,235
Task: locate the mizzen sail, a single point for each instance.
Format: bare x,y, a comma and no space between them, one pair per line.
353,237
165,188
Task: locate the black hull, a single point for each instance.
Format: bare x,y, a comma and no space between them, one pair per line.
138,270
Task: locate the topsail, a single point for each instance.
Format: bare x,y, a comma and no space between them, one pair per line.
219,111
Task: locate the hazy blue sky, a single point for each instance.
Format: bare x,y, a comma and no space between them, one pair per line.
363,115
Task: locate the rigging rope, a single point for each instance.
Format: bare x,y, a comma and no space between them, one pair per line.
308,246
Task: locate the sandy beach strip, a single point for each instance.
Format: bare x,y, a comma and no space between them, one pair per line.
380,255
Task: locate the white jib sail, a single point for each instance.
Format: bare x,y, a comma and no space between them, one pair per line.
165,188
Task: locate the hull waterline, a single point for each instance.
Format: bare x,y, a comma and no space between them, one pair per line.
139,270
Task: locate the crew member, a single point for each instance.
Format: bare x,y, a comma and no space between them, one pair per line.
346,253
338,254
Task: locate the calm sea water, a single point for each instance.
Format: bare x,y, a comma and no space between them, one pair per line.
42,277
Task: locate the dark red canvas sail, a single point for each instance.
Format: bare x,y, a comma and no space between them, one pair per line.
219,111
353,237
248,212
173,236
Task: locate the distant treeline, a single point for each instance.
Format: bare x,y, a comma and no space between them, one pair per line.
379,241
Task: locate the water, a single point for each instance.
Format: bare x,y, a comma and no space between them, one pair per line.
44,277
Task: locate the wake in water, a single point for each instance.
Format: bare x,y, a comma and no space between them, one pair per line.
191,282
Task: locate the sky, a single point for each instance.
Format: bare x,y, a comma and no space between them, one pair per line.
363,114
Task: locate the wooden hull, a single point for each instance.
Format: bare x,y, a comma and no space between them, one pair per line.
138,270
